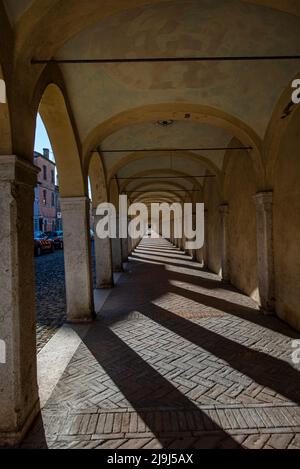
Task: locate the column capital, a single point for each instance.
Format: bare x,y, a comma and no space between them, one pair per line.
263,199
18,170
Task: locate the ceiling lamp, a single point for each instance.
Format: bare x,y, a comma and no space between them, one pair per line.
165,123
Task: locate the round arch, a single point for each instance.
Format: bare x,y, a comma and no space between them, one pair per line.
160,195
189,179
51,102
184,154
163,186
180,111
229,161
98,180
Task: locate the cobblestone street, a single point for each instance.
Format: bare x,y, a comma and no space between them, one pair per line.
184,362
50,295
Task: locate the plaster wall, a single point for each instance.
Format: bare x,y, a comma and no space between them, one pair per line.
287,225
240,188
212,202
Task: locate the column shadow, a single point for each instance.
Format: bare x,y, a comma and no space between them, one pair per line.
262,368
165,410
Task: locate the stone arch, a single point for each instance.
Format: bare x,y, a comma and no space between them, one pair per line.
51,101
187,177
180,111
159,186
188,155
159,195
230,159
279,122
114,192
102,247
98,180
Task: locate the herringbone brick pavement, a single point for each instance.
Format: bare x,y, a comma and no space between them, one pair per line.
176,360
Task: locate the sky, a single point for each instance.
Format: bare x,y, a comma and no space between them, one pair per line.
41,138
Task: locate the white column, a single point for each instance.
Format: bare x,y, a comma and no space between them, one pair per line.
117,251
265,257
199,256
103,259
19,401
77,252
224,212
193,252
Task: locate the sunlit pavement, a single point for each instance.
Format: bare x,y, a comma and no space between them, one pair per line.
176,359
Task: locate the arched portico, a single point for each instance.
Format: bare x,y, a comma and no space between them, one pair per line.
205,131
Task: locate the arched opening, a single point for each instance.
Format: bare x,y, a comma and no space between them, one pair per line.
101,248
48,241
64,277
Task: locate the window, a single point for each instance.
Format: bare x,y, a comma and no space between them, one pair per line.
45,173
52,177
53,199
44,197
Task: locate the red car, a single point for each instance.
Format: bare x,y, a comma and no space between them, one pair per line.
42,244
57,237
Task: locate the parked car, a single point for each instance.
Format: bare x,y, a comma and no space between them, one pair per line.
57,237
42,244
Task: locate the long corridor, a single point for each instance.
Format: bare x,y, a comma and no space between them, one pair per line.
176,359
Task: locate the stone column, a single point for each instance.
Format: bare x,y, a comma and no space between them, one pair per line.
117,251
205,249
172,230
224,212
193,252
199,256
125,252
265,257
103,259
129,242
77,253
19,401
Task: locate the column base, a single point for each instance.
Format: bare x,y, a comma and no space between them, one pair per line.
82,320
14,439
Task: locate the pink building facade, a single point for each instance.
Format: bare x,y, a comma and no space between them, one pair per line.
46,215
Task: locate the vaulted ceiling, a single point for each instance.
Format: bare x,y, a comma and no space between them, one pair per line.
245,91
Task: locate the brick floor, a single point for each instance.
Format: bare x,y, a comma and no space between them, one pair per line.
176,360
